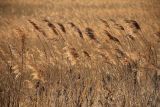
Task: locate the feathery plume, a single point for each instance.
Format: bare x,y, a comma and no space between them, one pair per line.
111,37
77,29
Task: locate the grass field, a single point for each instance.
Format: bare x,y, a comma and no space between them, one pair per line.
80,53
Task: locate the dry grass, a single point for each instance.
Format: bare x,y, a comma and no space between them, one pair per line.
86,58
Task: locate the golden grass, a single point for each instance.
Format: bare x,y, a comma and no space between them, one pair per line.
98,54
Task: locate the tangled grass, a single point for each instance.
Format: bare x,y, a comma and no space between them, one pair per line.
51,64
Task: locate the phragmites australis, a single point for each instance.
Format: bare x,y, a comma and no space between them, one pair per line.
86,54
119,27
105,23
37,27
62,27
116,25
74,53
130,36
133,24
52,26
111,37
90,33
77,29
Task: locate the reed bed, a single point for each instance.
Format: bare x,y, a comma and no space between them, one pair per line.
80,66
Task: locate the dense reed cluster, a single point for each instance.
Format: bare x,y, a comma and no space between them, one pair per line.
54,64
